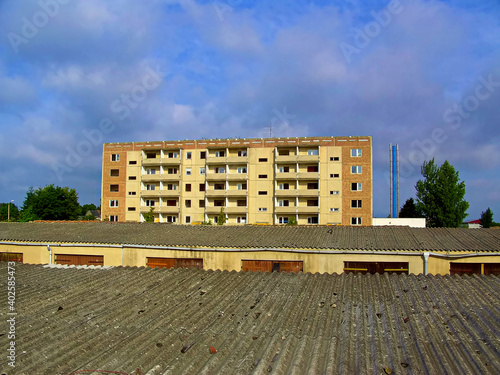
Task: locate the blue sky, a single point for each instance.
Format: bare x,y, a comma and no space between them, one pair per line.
422,74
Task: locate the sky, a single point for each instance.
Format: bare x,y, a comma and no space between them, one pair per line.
421,74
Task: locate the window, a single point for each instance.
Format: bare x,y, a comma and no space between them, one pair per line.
132,162
203,154
312,185
312,203
171,202
284,186
334,175
312,152
262,209
132,178
334,158
189,156
188,219
283,203
241,203
242,186
282,220
334,192
150,171
356,203
334,209
312,168
262,160
241,219
171,186
113,203
132,193
262,175
113,188
203,170
172,171
355,221
242,170
188,171
188,187
171,219
114,173
219,203
219,170
187,203
356,186
172,155
355,152
113,217
242,153
356,169
115,157
202,187
201,203
150,202
377,267
151,155
219,186
284,169
220,154
150,187
262,192
131,208
312,220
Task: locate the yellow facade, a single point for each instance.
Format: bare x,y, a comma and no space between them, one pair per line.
314,180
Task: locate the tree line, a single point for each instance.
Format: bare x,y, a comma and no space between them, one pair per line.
48,203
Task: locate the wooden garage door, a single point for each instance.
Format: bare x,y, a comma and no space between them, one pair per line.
465,269
11,257
376,267
80,260
272,265
174,262
492,269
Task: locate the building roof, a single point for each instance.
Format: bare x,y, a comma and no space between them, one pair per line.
257,237
165,321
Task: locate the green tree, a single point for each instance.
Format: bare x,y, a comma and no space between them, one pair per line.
150,216
87,207
51,203
292,221
440,195
487,218
4,212
409,209
221,219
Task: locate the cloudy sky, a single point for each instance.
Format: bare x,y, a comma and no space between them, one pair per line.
422,74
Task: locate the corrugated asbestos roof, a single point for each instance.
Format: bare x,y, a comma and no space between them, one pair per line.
254,236
165,321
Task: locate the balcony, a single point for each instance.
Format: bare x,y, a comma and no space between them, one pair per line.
169,193
308,209
308,175
170,177
150,193
216,160
285,209
281,159
150,162
216,176
237,176
215,193
308,159
236,159
170,161
146,209
150,177
169,209
304,192
236,210
237,193
214,210
286,193
286,176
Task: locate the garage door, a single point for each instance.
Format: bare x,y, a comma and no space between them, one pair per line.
11,257
80,260
272,266
465,269
175,262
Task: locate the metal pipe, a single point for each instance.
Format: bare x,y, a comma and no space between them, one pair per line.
426,262
50,254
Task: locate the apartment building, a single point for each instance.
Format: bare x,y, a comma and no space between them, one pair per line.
310,180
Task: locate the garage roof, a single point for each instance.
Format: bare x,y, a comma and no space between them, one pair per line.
165,321
256,236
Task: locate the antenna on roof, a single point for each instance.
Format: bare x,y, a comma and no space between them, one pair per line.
394,200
